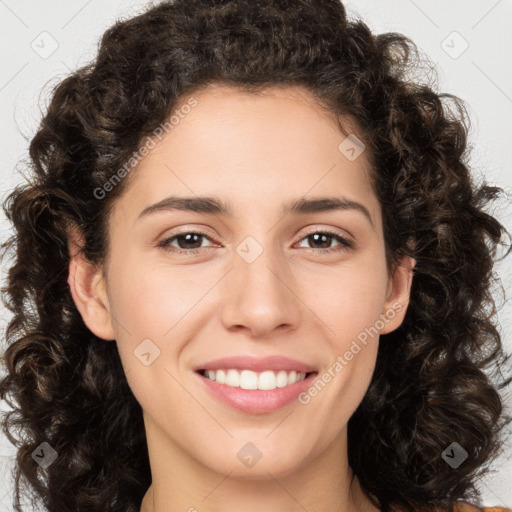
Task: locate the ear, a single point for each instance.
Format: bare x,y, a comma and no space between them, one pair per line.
88,288
398,294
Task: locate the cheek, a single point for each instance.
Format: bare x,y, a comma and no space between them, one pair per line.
350,300
148,301
148,297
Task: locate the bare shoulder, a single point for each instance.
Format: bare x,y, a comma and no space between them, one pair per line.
468,507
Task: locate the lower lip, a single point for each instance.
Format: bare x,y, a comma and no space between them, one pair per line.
255,401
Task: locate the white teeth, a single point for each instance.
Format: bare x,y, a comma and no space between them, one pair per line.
267,380
247,379
282,379
233,378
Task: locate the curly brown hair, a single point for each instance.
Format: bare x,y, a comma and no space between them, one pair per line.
430,387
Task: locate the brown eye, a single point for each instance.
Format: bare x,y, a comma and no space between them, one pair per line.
324,239
188,242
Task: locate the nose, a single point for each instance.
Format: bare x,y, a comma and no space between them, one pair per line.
260,296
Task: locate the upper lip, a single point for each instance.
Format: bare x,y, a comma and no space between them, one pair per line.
257,364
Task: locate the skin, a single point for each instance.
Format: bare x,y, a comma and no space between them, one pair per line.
255,152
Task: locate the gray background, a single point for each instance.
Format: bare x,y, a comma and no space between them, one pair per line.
468,41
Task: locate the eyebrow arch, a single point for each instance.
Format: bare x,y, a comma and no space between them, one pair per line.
215,206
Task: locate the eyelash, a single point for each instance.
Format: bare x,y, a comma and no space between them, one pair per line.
345,244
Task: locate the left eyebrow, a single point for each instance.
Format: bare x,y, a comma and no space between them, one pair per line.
325,204
215,206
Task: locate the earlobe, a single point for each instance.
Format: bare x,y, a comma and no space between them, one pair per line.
88,289
398,297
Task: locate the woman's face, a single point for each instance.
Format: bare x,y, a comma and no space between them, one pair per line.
255,282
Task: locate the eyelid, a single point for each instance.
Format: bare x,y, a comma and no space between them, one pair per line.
200,230
335,231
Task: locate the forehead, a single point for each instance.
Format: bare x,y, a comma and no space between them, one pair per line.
276,105
254,146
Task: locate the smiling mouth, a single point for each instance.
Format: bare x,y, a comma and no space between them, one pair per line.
248,379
